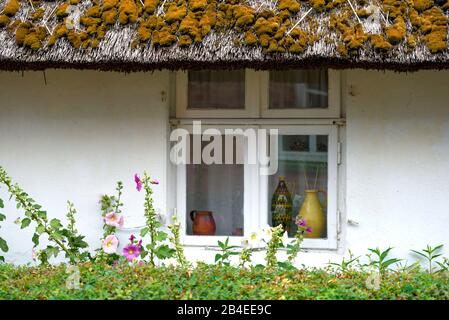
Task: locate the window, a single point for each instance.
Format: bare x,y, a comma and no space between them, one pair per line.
302,89
302,105
218,189
208,90
216,94
307,177
301,94
224,191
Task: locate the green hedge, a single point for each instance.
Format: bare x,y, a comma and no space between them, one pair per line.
214,282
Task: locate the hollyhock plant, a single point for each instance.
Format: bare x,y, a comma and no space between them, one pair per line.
114,220
110,244
138,182
295,246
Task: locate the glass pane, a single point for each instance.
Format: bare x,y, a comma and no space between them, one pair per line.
299,188
298,89
215,192
210,89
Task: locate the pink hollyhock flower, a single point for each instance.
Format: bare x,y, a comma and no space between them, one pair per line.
131,252
309,230
154,181
110,244
34,254
138,182
141,263
132,238
300,222
114,220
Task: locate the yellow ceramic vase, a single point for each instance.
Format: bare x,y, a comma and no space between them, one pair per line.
312,212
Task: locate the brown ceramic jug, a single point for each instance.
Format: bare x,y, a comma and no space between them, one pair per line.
203,223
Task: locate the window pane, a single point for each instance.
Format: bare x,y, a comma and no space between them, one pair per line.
299,188
298,89
219,189
210,89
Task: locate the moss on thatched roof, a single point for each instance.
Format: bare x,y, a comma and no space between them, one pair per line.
148,34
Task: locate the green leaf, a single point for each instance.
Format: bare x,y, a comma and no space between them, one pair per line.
2,205
385,253
2,217
160,236
164,252
52,251
419,253
42,214
144,232
55,223
40,229
57,235
25,223
35,239
218,257
3,245
390,262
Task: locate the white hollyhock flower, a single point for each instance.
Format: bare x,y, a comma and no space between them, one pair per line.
285,240
252,240
267,233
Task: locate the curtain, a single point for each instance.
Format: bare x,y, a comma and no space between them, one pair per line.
299,89
210,89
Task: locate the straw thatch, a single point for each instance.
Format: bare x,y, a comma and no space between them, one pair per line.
381,34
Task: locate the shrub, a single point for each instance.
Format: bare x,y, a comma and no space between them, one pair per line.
102,281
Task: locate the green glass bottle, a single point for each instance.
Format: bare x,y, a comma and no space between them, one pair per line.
281,206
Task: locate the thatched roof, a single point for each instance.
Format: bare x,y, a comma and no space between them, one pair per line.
179,34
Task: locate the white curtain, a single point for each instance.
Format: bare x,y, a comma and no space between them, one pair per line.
298,89
211,89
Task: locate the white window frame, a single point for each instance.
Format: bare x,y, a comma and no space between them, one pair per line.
251,99
249,205
332,110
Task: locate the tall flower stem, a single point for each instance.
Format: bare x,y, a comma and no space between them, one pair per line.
32,210
176,242
150,214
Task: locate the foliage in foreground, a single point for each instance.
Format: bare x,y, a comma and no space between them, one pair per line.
102,281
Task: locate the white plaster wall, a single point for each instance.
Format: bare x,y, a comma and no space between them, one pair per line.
74,138
397,160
